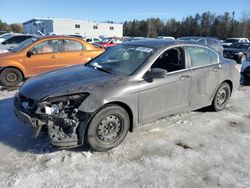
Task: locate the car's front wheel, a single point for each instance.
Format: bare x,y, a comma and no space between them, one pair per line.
10,77
108,128
221,97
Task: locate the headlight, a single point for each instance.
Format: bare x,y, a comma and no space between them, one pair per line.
239,53
54,109
67,104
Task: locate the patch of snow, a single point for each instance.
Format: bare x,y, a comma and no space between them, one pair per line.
196,149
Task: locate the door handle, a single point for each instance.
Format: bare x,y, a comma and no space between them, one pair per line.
53,56
81,54
184,77
215,69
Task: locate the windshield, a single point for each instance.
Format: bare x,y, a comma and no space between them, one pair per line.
231,41
6,36
122,60
106,39
240,45
24,44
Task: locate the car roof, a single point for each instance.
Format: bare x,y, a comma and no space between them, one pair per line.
58,37
157,43
237,38
197,37
241,43
17,34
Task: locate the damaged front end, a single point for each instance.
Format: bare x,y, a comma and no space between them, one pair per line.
58,116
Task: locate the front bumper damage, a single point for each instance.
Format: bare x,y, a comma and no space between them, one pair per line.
63,131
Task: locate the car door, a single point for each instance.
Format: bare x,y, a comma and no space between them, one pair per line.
43,57
74,52
205,73
164,96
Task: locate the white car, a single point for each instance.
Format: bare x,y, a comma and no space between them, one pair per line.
230,41
12,40
92,39
166,37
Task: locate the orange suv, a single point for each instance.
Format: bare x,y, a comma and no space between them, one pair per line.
38,55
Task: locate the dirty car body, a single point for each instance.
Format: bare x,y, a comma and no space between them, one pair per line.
132,84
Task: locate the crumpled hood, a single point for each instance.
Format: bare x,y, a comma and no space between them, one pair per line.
63,82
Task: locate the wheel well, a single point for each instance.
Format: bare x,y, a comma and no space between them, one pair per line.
14,68
230,84
128,110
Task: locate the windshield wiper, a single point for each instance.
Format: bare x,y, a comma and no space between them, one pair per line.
97,66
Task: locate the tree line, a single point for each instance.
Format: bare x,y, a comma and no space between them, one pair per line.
17,28
207,24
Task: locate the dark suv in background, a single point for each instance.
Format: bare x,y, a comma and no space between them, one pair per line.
238,51
208,41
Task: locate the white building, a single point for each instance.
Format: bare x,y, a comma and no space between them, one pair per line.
68,26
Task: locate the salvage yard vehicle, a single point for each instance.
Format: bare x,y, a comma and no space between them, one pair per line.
127,86
238,51
110,42
245,70
12,40
38,55
230,41
208,41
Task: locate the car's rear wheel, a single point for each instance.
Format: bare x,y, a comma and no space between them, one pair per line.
221,97
243,58
108,128
10,77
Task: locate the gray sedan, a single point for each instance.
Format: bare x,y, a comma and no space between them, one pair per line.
127,86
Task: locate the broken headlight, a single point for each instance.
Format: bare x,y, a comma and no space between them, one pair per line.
67,104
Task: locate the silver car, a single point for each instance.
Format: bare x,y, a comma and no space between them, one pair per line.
127,86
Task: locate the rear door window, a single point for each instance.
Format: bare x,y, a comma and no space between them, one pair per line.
72,45
201,56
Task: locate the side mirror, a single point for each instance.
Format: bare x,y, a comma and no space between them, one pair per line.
155,73
30,53
3,43
158,73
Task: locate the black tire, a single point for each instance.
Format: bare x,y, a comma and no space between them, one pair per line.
108,128
10,77
221,97
243,58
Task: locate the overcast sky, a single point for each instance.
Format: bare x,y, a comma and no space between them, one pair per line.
13,11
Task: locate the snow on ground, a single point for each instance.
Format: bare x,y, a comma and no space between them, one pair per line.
196,149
